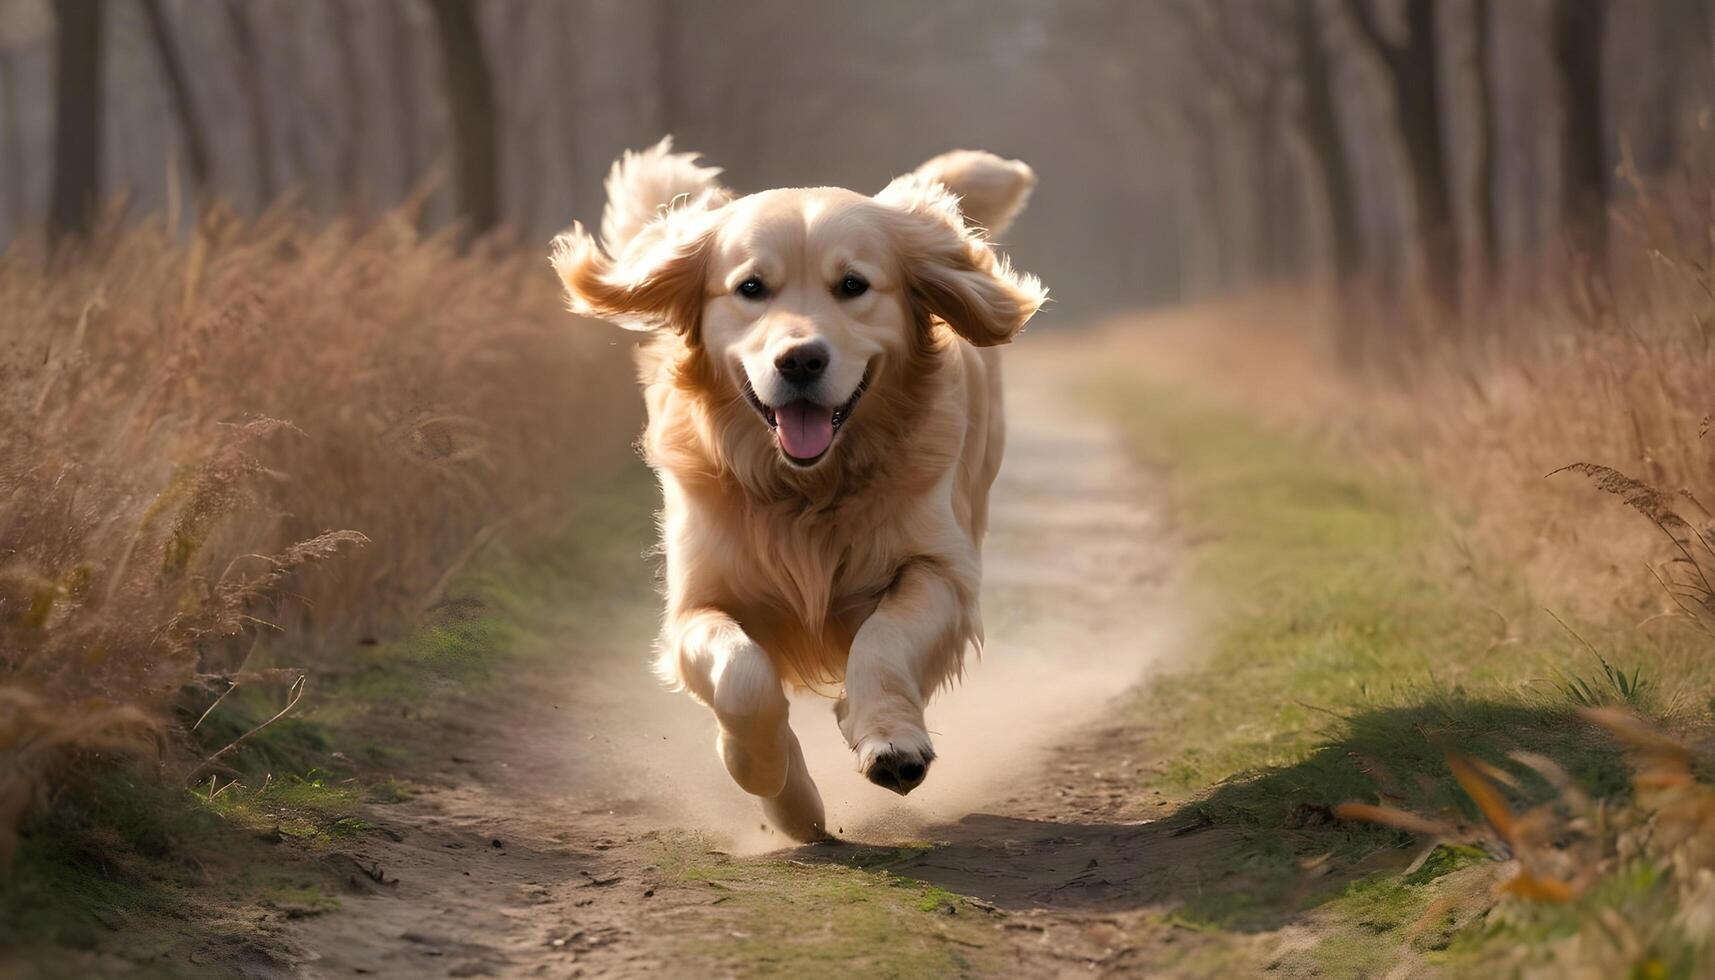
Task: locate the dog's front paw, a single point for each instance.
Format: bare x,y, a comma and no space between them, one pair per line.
898,764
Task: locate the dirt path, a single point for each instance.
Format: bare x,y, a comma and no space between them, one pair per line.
538,850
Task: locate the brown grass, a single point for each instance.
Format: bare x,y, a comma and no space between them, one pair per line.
1615,371
278,432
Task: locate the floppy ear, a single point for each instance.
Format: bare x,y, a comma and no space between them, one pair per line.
658,282
950,271
991,190
649,269
641,184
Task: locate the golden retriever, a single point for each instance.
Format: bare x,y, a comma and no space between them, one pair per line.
825,421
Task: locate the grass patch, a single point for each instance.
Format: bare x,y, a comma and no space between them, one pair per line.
850,915
315,809
295,896
390,790
104,856
1350,645
130,866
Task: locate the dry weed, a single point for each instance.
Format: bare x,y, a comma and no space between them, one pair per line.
187,428
1563,364
1560,851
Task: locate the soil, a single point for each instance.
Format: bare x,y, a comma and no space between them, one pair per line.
542,845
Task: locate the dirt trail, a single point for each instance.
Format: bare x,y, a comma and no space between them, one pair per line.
535,852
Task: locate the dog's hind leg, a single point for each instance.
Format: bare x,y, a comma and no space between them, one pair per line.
797,812
907,647
725,669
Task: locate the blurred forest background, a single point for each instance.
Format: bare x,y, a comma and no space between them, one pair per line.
1186,147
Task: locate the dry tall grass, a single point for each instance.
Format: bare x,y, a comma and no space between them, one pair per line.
187,428
1564,429
1618,372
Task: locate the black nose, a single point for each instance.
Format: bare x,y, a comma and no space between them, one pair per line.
802,364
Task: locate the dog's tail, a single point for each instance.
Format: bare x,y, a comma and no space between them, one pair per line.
642,183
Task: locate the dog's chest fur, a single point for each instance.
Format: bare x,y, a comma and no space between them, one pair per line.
801,559
802,578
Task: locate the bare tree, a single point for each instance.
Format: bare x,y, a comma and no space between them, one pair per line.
300,116
1679,36
1488,136
402,63
1414,82
668,87
179,93
345,23
1236,55
77,124
1317,118
470,95
1575,30
12,131
530,88
249,65
1203,259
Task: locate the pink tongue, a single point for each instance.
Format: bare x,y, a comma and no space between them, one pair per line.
805,429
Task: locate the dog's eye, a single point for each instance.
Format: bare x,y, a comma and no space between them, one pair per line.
853,285
752,288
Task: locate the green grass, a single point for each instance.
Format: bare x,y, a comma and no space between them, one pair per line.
129,867
296,896
843,913
1348,643
314,809
105,857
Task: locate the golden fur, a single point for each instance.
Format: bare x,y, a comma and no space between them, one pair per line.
862,567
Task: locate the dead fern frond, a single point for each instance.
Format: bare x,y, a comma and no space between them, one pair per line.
1398,819
1658,760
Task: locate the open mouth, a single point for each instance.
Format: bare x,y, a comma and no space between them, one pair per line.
805,429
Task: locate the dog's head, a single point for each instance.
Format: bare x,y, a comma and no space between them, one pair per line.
800,301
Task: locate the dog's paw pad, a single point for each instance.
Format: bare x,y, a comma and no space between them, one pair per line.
900,771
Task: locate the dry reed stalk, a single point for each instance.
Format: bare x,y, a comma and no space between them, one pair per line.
186,429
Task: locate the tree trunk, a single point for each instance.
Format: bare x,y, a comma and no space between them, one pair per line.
402,59
77,123
668,107
1679,40
470,95
1488,138
288,38
345,23
1319,124
249,63
1270,258
1293,239
1415,84
1241,205
1206,271
12,131
179,93
1576,33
